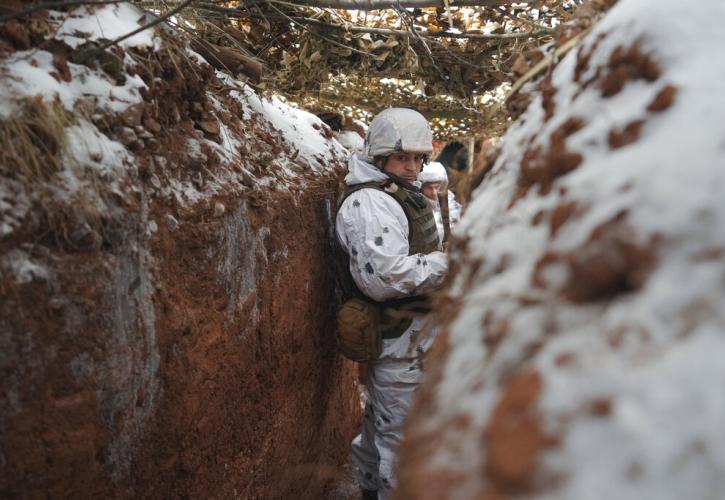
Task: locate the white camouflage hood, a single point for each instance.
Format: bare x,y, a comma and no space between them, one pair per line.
360,170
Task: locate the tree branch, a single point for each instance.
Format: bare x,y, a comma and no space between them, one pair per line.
375,4
320,36
428,34
508,14
389,4
153,23
235,12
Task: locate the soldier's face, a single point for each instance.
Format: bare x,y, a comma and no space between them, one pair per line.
430,190
407,166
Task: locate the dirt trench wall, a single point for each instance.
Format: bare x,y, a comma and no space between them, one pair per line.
193,357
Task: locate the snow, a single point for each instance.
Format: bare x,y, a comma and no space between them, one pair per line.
109,22
90,155
88,146
350,140
21,267
29,75
656,352
301,128
14,206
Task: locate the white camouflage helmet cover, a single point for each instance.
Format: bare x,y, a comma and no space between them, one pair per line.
433,172
398,129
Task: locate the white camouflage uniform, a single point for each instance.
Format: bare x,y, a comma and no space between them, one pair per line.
373,230
436,172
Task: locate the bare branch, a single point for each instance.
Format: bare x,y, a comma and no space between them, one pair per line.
153,23
405,18
320,36
233,12
427,34
506,13
389,4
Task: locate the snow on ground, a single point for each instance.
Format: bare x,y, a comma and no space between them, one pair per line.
27,73
109,22
303,129
608,281
351,140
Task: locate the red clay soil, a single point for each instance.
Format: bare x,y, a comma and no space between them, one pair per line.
260,406
214,398
541,167
664,99
514,438
611,262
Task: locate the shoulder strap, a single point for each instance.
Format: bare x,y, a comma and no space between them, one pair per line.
400,195
357,187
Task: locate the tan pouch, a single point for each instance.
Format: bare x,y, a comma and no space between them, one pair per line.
358,330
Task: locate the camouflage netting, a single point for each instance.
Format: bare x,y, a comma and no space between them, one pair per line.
454,64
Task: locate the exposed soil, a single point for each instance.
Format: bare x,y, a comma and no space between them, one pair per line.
273,406
619,138
627,64
664,99
514,438
200,392
541,167
173,351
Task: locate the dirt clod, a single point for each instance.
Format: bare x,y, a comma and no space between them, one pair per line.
619,138
627,64
514,436
664,99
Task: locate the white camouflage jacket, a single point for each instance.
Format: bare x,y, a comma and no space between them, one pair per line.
373,230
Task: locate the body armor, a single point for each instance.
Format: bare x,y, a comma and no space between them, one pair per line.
422,233
396,314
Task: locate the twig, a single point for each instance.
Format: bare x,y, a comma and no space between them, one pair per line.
334,42
385,31
404,16
427,34
506,13
389,4
544,63
153,23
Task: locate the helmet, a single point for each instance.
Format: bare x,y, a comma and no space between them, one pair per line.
433,172
398,129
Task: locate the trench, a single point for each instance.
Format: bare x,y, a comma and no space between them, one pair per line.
193,361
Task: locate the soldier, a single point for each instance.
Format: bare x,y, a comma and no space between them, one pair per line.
434,186
387,230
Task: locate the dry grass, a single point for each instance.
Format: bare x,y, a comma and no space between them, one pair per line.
33,142
33,149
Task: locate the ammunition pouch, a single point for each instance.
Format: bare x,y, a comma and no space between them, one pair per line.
362,324
358,330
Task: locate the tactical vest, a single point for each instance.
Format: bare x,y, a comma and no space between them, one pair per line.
395,315
422,232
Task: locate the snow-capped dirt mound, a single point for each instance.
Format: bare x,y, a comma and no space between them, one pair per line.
165,293
585,330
